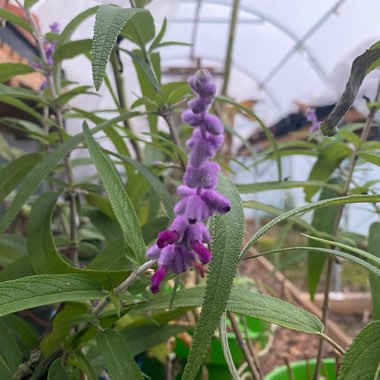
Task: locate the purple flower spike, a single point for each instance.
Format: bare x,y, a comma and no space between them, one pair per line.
196,210
182,245
199,80
157,278
203,253
217,201
189,117
183,259
206,176
213,125
202,84
200,105
185,191
167,237
203,148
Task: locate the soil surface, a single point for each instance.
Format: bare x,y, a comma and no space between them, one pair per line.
289,345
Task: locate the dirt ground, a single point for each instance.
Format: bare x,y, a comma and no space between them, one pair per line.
289,345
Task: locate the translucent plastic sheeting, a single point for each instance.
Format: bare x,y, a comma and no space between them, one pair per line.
284,50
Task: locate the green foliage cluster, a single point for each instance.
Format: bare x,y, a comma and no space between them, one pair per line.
82,256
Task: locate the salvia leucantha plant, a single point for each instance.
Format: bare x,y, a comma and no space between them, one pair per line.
97,272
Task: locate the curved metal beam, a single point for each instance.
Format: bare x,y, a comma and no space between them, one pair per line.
317,67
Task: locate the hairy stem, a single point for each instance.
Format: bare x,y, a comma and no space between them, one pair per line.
125,284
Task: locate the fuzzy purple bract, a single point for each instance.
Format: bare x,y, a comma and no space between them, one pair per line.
182,245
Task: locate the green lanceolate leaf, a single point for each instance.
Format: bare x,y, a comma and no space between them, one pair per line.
359,252
60,328
43,168
120,364
139,61
159,36
10,70
57,371
264,128
120,202
370,157
174,92
247,188
14,172
10,352
362,358
157,185
149,82
21,93
227,235
330,156
274,310
70,28
72,49
374,268
361,66
43,253
140,338
278,211
323,220
109,22
374,281
226,348
245,302
12,247
140,29
15,20
309,207
28,292
29,3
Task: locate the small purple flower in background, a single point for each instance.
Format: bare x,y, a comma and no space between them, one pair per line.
311,117
183,244
49,46
55,28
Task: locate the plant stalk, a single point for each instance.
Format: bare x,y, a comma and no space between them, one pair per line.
252,349
170,122
243,347
125,284
121,97
39,38
337,347
354,156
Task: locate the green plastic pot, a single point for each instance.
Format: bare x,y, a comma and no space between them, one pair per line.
304,370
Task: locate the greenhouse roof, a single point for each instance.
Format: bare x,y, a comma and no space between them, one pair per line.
283,51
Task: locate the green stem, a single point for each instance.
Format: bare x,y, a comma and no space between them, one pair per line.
243,346
173,132
125,284
121,98
231,38
39,38
333,343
